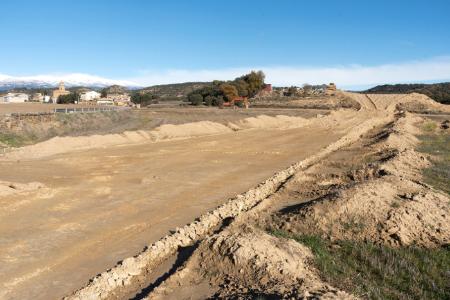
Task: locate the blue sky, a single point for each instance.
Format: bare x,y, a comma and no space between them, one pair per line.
152,42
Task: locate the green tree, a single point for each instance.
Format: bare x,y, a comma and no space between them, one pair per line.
143,99
218,101
242,87
255,81
69,98
209,100
229,91
196,99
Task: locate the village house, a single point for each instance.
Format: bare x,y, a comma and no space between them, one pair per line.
15,98
37,97
119,99
266,91
90,96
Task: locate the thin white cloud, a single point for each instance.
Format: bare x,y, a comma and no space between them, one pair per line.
435,69
345,76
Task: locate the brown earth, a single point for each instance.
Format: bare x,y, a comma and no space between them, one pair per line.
95,206
112,201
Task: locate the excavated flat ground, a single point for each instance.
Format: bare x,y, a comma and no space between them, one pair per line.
99,206
92,208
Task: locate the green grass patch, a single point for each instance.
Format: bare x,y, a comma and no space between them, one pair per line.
11,140
380,272
438,145
429,126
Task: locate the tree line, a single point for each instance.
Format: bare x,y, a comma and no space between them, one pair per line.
219,92
69,98
144,99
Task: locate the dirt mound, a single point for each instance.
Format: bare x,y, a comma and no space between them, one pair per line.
413,102
169,131
244,263
264,122
381,200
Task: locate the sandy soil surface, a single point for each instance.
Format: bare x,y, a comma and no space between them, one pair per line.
111,202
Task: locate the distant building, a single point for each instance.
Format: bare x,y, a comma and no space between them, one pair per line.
37,97
268,88
266,91
90,96
15,98
119,99
61,91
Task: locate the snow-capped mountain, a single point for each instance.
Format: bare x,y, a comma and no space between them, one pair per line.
51,81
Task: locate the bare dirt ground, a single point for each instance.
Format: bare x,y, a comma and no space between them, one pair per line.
110,202
67,215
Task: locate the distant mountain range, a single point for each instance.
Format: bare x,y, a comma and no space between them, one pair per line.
71,80
440,92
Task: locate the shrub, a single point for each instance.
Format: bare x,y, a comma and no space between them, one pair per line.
143,99
196,99
209,100
218,101
70,98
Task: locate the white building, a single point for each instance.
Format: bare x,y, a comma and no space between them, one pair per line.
90,96
16,98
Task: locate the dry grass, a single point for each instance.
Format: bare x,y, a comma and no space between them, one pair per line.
380,272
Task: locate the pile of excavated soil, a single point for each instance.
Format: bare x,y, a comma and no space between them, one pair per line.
245,263
413,102
265,122
382,199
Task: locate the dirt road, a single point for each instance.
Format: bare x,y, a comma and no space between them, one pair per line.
101,205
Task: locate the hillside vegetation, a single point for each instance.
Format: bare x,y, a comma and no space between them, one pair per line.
219,92
173,91
440,92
